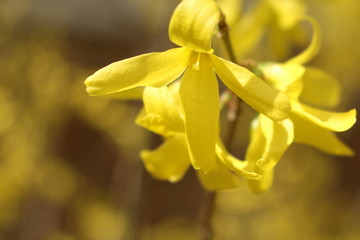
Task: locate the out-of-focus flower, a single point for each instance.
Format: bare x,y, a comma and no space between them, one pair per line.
192,26
307,124
278,17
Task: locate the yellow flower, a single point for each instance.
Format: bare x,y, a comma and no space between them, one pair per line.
306,124
278,18
162,115
192,26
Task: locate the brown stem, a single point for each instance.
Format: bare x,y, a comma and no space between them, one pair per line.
209,208
224,34
234,109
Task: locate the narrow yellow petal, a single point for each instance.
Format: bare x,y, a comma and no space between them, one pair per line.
237,166
320,88
152,69
168,162
309,133
220,178
255,151
161,112
278,137
333,121
200,99
193,24
313,49
252,89
257,143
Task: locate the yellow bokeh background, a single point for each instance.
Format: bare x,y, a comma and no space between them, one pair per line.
69,163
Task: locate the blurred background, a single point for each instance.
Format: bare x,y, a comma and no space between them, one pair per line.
69,163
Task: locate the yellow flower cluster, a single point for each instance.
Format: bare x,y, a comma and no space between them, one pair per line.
181,102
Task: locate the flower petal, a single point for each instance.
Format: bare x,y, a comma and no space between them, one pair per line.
250,29
200,99
309,133
278,137
333,121
168,162
237,166
282,76
161,112
194,23
152,69
288,13
220,178
320,88
255,151
312,49
252,89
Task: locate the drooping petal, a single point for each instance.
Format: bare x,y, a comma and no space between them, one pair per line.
252,89
309,133
320,88
254,152
168,162
200,99
313,49
333,121
278,137
194,23
237,166
152,69
161,113
220,178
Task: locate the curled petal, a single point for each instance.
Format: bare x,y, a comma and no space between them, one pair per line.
320,88
309,133
333,121
152,69
199,95
312,49
237,166
278,137
161,112
168,162
255,151
194,23
252,89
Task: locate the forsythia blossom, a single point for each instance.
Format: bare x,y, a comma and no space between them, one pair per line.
181,101
306,124
192,26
